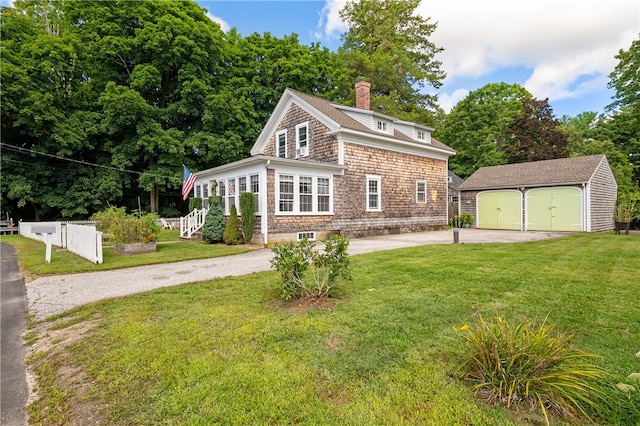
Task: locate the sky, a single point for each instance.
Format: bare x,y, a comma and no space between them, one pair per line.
563,50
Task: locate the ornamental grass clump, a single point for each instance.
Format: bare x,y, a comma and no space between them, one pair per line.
528,365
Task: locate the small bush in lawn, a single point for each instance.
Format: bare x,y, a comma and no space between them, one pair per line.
528,365
232,232
214,222
248,208
306,272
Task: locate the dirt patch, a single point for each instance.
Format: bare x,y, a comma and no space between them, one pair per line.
53,342
305,305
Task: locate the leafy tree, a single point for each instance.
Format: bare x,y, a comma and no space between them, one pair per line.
233,232
48,123
154,64
214,222
388,44
589,134
625,122
535,134
476,127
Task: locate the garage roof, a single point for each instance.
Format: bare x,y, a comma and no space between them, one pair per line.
561,171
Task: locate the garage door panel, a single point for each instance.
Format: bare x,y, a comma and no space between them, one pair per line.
499,210
554,209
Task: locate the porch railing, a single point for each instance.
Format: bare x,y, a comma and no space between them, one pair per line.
192,223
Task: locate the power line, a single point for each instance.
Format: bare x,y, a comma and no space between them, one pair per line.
86,163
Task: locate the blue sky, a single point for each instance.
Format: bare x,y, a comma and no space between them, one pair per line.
558,49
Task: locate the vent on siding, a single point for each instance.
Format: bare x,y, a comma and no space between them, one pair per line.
311,236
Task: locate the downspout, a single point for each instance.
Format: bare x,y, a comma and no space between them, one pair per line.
265,215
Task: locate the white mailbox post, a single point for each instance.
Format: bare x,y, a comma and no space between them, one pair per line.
45,232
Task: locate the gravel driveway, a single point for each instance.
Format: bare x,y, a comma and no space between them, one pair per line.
55,294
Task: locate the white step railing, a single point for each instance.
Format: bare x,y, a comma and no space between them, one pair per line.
192,223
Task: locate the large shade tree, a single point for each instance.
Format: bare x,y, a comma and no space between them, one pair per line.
154,63
49,126
476,127
388,45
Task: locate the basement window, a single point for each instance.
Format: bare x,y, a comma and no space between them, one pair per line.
309,235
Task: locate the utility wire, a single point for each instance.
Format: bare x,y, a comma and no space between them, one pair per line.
86,163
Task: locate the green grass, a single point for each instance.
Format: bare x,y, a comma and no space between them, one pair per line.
169,248
227,352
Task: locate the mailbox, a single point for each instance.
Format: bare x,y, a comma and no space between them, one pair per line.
43,229
45,232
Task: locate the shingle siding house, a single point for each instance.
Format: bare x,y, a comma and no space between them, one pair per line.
319,168
566,194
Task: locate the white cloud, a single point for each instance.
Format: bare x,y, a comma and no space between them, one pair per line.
330,25
563,41
223,24
447,102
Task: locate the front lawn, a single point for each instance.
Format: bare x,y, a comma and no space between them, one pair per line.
229,351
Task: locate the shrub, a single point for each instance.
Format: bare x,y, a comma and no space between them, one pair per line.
529,365
248,209
306,272
214,222
195,204
232,232
127,228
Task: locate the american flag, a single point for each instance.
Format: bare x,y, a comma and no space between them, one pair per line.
188,179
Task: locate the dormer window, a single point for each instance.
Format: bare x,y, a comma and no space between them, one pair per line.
383,126
302,140
422,135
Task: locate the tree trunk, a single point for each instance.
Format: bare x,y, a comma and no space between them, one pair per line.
154,196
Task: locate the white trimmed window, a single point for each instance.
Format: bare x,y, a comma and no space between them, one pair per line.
222,192
286,197
422,135
302,194
421,191
281,144
305,189
302,140
383,126
374,193
254,181
324,204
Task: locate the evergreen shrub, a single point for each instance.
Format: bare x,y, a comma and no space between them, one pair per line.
214,222
232,232
248,209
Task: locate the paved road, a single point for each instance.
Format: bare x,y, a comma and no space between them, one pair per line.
13,313
51,295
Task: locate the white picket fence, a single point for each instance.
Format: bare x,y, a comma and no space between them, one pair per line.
82,240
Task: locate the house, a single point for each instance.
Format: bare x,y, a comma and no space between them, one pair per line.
319,168
565,194
454,181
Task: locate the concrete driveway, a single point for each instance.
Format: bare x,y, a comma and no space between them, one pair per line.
55,294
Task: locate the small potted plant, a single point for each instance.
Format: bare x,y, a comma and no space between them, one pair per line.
466,219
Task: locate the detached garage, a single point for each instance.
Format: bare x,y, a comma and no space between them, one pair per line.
566,194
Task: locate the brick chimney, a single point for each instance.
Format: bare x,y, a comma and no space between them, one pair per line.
363,95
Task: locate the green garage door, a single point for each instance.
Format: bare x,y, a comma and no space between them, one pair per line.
554,209
500,210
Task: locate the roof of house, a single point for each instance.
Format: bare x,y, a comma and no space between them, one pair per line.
333,111
454,180
561,171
